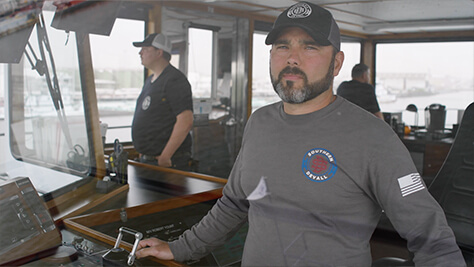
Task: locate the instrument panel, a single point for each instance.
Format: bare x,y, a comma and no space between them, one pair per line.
163,219
26,226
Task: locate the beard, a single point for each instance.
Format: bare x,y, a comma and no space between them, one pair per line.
289,94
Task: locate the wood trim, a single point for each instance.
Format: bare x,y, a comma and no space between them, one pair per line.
98,201
79,201
109,216
468,35
353,34
89,97
368,57
60,200
154,19
185,173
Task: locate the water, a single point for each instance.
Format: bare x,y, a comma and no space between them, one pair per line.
453,101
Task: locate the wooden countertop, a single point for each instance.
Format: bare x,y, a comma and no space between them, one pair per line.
146,184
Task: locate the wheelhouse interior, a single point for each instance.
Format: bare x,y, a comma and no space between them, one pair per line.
70,77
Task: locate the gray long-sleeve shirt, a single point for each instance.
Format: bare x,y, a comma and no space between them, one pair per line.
313,188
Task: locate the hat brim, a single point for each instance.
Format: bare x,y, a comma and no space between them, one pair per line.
317,36
147,42
141,44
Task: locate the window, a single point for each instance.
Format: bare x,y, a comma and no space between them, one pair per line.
351,58
118,74
47,116
262,89
47,122
3,70
200,62
2,115
423,74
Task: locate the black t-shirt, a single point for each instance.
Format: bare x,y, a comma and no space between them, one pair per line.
361,94
157,107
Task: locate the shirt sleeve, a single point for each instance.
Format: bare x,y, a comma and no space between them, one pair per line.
412,210
219,225
179,95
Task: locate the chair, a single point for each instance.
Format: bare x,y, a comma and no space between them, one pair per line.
453,188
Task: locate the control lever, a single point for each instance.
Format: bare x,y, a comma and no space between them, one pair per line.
116,255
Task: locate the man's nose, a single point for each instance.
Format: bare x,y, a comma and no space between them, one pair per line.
293,58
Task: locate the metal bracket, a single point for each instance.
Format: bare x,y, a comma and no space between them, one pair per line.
138,237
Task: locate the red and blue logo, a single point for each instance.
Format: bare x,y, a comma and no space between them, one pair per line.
319,165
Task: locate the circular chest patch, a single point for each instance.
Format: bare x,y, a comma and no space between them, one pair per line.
319,165
146,102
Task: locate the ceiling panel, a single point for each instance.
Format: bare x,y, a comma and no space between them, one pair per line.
375,16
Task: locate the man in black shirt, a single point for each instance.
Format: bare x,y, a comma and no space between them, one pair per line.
359,91
163,114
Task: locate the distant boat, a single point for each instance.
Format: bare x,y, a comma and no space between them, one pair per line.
416,91
383,95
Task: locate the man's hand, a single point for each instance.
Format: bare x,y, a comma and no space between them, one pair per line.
164,161
155,248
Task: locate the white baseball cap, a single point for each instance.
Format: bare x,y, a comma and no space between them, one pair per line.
157,40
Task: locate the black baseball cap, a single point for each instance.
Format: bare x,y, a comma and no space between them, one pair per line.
315,20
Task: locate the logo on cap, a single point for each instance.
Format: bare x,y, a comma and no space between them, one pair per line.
299,11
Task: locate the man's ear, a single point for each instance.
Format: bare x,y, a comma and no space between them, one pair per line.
338,60
160,52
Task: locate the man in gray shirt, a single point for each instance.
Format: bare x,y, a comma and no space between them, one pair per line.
315,171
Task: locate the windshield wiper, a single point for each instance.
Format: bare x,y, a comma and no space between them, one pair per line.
41,66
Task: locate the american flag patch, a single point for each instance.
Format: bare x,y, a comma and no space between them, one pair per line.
410,184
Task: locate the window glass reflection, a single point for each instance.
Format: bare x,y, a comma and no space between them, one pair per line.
423,74
48,123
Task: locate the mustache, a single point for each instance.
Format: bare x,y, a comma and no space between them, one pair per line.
291,70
